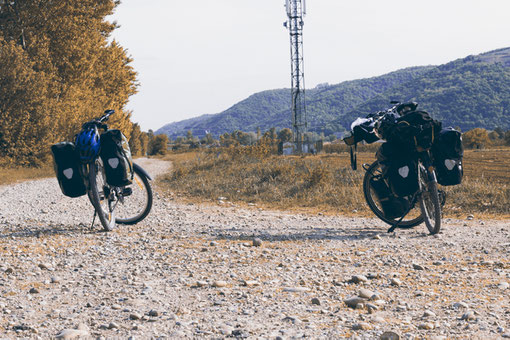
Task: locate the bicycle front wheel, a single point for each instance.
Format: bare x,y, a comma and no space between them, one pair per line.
429,202
101,195
412,219
135,200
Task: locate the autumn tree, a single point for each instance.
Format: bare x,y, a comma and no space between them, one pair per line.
477,138
73,70
158,145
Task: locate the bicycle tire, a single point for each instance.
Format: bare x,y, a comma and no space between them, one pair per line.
429,204
135,207
372,171
98,197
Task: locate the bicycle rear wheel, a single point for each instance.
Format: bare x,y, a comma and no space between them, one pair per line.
101,195
135,200
429,202
412,219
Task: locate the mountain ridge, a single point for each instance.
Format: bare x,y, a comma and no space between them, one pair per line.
467,92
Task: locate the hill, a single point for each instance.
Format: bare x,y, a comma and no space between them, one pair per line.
469,92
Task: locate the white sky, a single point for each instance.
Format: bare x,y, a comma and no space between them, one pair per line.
203,56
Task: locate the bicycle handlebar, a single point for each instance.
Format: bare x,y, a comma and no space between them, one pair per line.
99,122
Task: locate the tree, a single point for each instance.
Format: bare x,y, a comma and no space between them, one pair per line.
72,70
285,135
158,145
135,142
189,136
25,113
477,138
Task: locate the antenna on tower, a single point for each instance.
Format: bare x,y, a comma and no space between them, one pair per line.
296,9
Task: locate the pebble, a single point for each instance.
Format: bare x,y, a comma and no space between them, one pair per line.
367,294
396,282
458,305
251,283
316,301
429,314
361,326
390,336
34,291
81,331
358,279
257,242
426,325
154,313
418,266
469,315
503,285
219,284
135,316
296,289
202,283
354,301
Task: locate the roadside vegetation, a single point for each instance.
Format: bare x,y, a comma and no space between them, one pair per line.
324,183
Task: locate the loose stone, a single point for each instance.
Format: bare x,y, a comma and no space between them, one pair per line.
396,282
316,301
390,336
219,284
358,279
354,301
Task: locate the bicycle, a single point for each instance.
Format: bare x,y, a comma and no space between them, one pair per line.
427,196
424,204
127,204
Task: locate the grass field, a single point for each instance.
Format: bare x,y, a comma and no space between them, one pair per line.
325,183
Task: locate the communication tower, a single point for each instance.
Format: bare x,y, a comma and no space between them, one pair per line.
296,10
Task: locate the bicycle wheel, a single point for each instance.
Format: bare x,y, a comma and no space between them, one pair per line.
412,219
135,200
429,202
101,195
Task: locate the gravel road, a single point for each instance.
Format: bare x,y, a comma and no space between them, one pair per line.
220,271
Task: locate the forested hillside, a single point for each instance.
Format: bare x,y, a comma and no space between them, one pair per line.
468,93
58,69
271,108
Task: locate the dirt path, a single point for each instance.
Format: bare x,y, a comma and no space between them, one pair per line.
221,271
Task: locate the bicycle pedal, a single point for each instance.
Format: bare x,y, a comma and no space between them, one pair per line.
127,191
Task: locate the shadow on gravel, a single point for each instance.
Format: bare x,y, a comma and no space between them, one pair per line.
7,231
331,234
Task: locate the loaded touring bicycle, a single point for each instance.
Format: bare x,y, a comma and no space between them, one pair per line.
100,165
401,186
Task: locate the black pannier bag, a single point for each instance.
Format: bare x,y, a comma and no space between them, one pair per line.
392,206
402,175
67,168
116,157
399,168
414,130
447,152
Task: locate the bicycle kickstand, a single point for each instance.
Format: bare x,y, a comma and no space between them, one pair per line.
93,219
396,225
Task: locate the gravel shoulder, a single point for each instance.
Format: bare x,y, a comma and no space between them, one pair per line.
201,271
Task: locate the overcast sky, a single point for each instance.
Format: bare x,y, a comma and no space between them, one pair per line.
203,56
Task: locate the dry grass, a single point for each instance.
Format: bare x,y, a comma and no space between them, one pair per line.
324,183
13,175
